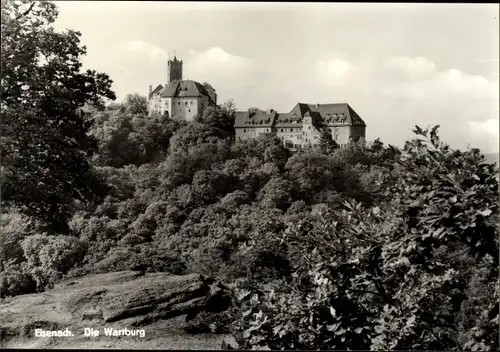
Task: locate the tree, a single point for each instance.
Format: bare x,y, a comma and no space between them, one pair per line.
208,86
229,109
326,142
45,141
136,104
125,139
276,193
219,119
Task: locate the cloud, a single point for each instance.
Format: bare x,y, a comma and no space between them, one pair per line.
487,127
486,132
487,61
464,105
425,81
457,81
417,66
143,49
228,73
334,72
218,58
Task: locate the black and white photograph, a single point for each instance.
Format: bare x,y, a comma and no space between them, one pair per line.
182,175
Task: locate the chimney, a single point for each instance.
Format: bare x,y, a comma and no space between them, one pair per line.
317,106
150,90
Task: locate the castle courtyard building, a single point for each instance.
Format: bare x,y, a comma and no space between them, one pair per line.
303,125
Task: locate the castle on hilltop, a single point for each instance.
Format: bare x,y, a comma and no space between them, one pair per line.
300,127
185,99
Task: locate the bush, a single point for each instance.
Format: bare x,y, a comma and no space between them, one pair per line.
143,258
15,281
49,257
14,228
209,322
417,271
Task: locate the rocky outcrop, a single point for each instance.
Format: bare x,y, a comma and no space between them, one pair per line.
157,303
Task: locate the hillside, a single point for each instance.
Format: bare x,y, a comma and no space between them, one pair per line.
157,303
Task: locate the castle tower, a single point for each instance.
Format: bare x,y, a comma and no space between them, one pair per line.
174,71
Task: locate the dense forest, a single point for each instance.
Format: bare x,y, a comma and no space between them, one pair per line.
369,246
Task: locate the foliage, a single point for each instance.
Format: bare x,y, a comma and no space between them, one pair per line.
14,228
44,135
208,86
392,276
326,142
15,281
136,104
49,257
126,139
209,322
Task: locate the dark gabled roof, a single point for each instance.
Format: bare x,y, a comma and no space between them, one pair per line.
329,114
337,113
170,89
177,89
315,115
300,109
285,120
156,90
355,118
254,118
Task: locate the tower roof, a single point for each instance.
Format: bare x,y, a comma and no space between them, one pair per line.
175,60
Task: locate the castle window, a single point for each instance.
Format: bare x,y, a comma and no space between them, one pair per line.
191,102
281,130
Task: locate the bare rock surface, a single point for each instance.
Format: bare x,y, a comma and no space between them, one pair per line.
157,303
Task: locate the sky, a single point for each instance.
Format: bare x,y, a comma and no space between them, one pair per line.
396,65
